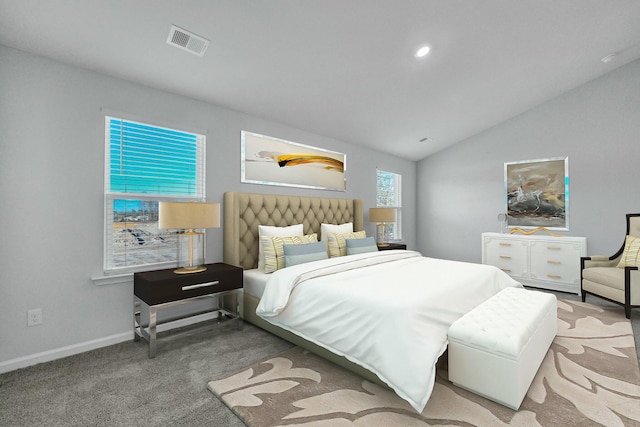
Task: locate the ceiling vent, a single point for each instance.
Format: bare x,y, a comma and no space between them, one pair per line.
188,41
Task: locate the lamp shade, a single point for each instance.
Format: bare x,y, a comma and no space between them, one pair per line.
188,215
382,214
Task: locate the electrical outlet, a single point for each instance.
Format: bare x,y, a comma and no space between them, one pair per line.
34,317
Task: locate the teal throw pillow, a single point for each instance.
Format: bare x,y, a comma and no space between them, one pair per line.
359,246
299,254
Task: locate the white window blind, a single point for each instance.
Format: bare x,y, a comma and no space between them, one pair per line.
146,164
389,194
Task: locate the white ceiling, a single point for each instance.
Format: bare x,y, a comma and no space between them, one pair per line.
344,68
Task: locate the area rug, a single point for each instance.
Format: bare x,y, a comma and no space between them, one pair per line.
589,377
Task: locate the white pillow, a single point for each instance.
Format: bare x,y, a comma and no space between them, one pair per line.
325,229
270,231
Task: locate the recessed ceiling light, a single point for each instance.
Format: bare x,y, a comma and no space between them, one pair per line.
422,52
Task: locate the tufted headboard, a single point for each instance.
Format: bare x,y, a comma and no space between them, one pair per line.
243,212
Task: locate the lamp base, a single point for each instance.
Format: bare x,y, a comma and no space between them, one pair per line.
187,270
190,252
380,234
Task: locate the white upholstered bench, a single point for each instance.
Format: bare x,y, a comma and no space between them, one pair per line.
496,349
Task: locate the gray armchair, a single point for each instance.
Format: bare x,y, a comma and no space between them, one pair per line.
601,276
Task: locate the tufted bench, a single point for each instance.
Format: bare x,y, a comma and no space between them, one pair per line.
496,349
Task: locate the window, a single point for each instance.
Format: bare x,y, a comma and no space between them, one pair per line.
388,194
144,165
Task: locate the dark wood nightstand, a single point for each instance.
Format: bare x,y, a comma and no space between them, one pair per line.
390,246
163,288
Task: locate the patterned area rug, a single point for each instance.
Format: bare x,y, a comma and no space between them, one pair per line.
589,377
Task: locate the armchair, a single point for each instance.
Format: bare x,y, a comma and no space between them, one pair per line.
611,279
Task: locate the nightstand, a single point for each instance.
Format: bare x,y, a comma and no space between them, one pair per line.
390,246
156,290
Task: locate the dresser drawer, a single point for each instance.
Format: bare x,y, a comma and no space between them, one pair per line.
555,261
508,255
157,287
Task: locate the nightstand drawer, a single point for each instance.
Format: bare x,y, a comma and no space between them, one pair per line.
157,287
391,246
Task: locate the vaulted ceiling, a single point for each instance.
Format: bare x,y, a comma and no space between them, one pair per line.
344,69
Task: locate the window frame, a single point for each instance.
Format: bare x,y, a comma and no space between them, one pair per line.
396,233
109,266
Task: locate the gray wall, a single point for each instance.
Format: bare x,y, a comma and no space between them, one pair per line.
597,125
51,187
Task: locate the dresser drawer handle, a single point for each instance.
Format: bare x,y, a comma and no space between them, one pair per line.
505,244
199,285
553,261
554,247
554,276
506,270
505,256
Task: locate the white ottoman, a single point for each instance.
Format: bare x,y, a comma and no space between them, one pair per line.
496,349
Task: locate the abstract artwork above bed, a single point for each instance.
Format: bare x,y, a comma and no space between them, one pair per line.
273,161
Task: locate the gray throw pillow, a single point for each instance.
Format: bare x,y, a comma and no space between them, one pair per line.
359,246
299,254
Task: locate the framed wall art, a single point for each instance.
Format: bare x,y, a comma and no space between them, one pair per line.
537,193
273,161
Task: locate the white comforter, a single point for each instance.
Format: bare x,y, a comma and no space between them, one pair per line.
387,311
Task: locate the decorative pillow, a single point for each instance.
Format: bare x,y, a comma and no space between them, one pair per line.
360,246
337,242
273,248
325,229
631,253
299,254
269,231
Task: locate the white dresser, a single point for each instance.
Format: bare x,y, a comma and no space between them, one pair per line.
539,261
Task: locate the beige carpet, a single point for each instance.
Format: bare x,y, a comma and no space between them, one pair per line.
589,377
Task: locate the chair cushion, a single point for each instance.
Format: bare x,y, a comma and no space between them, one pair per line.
631,254
634,226
612,277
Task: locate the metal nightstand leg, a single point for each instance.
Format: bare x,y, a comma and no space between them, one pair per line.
136,319
238,318
152,332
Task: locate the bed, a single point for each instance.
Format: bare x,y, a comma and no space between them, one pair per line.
312,304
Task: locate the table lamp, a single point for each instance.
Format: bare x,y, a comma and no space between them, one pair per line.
382,216
189,216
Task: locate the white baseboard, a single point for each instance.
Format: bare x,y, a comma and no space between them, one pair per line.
59,353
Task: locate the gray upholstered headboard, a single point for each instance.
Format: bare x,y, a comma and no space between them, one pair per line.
243,212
